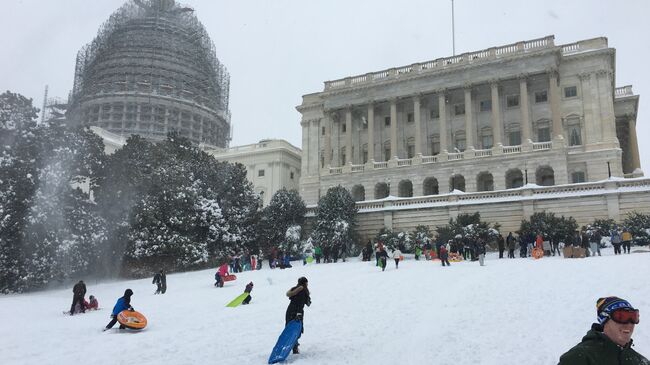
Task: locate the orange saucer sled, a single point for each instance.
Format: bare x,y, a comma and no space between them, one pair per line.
538,253
132,319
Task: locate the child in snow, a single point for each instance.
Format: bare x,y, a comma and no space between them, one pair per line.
397,255
249,289
121,304
444,255
382,256
93,304
160,279
222,272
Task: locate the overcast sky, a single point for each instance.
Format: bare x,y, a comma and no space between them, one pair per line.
276,51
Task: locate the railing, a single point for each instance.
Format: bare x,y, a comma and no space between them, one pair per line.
336,170
429,159
511,149
358,168
380,165
455,156
483,153
540,146
571,48
405,162
623,91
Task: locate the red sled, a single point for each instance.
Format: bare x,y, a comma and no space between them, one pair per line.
229,278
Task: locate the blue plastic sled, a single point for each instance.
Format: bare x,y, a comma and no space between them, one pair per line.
286,341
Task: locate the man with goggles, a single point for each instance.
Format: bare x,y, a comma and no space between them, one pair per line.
610,340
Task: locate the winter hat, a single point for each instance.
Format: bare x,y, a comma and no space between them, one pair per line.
302,280
606,306
128,292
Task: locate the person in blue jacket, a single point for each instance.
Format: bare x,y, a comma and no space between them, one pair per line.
121,304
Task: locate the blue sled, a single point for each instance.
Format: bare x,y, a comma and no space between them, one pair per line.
286,341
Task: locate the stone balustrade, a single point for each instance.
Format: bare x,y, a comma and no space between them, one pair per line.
485,55
528,192
623,91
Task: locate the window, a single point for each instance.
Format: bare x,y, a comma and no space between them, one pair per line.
543,134
512,101
386,121
322,160
570,91
322,131
387,151
575,138
364,156
487,141
459,109
260,173
433,114
578,177
541,97
514,138
343,128
485,105
410,151
410,118
291,175
460,143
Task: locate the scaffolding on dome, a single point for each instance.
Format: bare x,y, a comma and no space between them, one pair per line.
149,30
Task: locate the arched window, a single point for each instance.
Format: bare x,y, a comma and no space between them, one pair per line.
430,186
457,182
485,182
514,179
381,190
358,193
405,188
545,176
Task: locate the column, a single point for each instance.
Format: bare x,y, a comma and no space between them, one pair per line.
603,86
393,128
497,129
469,129
634,144
592,128
556,116
371,132
442,118
327,143
525,112
348,136
418,125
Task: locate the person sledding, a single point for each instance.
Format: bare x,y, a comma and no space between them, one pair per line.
92,304
299,297
249,289
122,303
219,276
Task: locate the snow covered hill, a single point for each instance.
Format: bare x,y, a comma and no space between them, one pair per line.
507,312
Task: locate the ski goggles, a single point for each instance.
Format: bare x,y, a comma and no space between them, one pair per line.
624,316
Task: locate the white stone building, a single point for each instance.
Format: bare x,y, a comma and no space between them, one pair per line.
271,164
493,119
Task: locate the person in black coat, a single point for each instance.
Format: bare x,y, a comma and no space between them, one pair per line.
160,279
78,293
248,289
382,255
502,245
299,297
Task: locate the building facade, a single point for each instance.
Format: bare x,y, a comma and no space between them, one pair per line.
531,112
271,164
152,69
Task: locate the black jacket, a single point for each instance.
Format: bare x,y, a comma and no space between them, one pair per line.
79,289
596,349
298,301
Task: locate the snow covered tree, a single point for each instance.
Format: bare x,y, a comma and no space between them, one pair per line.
335,219
422,235
559,229
285,211
639,226
604,227
468,228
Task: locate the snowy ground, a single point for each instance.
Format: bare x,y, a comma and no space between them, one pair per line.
508,312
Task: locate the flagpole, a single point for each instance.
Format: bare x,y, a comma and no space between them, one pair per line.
453,32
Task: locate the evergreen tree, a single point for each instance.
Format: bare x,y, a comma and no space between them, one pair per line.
335,219
639,226
558,229
285,212
468,228
422,235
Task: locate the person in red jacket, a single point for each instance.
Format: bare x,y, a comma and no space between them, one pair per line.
444,255
93,304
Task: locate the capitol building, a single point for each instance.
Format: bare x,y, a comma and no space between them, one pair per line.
505,131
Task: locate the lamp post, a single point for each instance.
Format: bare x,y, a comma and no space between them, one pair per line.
609,170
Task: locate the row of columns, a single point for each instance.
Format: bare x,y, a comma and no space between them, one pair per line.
497,126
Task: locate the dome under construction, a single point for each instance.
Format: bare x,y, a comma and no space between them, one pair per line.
152,69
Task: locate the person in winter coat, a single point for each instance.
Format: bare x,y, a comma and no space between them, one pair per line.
481,252
610,340
594,242
418,252
616,241
122,303
249,289
78,294
299,297
627,240
397,255
510,241
93,304
444,255
220,274
382,256
318,253
501,243
160,279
